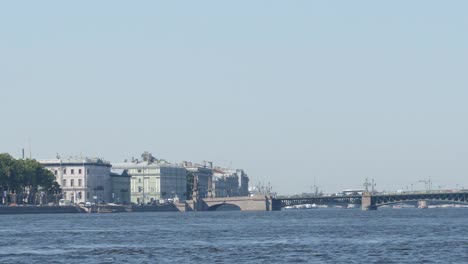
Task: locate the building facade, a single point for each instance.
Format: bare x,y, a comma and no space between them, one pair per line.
204,178
120,184
82,179
230,182
152,180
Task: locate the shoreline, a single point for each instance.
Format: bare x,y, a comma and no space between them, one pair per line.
47,209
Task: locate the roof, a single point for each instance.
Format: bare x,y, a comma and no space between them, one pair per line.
119,173
142,164
75,162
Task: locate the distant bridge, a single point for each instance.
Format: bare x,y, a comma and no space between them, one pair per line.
370,201
278,203
243,203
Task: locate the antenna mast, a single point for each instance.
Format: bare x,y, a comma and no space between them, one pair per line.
30,152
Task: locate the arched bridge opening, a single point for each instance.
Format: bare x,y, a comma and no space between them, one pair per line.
224,207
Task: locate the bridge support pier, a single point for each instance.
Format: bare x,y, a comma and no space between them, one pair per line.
422,204
367,203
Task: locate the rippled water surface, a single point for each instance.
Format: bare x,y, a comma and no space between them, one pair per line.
309,236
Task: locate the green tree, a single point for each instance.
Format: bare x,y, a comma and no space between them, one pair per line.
24,179
9,174
54,192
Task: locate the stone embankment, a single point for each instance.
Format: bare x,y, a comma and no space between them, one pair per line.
93,209
169,207
39,209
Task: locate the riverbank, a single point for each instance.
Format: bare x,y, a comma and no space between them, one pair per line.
32,209
40,210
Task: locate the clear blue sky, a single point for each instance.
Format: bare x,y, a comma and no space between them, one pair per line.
287,90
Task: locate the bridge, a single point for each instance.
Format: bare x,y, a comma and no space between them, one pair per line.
243,203
344,200
367,201
371,201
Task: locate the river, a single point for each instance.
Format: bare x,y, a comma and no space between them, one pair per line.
302,236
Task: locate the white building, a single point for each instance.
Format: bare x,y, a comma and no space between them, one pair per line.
153,180
82,179
230,182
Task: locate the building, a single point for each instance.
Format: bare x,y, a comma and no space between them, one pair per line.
230,182
204,175
220,185
152,180
82,179
225,183
120,182
217,181
244,183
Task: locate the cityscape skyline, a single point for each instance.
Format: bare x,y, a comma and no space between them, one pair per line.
240,131
336,92
426,184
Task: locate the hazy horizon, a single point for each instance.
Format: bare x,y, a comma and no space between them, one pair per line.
288,91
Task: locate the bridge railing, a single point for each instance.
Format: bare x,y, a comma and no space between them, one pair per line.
423,192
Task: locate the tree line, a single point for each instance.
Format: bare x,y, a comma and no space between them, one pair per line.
26,181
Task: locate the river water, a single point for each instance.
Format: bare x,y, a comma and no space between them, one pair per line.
307,236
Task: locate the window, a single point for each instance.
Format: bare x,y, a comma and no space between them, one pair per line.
139,170
64,195
55,172
72,171
79,182
64,182
64,171
79,171
79,196
140,189
139,179
72,182
87,171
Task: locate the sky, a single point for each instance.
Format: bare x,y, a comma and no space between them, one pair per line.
293,92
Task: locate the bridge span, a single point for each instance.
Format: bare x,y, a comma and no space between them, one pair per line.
370,201
367,201
243,203
278,203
